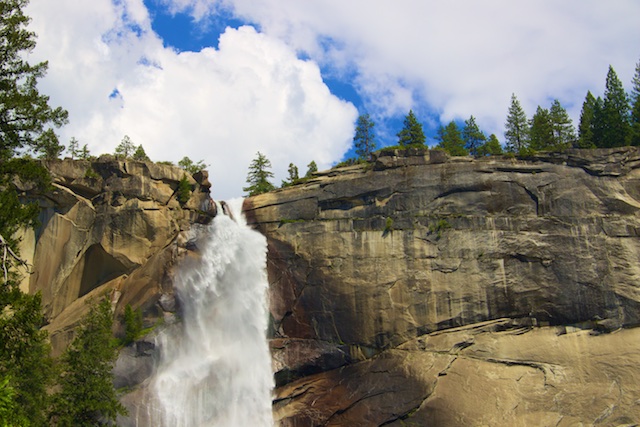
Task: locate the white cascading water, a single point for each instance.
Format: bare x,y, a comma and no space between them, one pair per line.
216,368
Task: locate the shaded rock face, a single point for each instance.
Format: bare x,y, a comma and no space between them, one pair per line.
112,227
451,292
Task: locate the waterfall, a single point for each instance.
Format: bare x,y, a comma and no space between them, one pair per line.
215,368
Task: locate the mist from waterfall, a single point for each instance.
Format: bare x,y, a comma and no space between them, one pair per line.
215,368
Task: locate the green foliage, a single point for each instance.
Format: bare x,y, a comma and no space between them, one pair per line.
191,167
91,173
491,147
183,192
24,355
48,145
24,113
411,132
86,396
293,178
84,153
585,128
140,155
125,149
364,139
451,140
563,132
615,113
472,136
259,175
73,148
541,131
517,129
165,162
312,168
438,227
132,324
388,225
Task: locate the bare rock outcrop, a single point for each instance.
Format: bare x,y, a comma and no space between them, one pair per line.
435,291
109,226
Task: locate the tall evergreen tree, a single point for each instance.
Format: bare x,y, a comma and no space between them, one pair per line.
564,134
24,112
541,130
364,139
125,149
585,129
617,129
86,396
599,123
259,176
411,132
140,155
635,107
24,355
293,176
490,148
472,136
451,140
516,128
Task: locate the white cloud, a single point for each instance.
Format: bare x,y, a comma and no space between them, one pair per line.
460,57
221,105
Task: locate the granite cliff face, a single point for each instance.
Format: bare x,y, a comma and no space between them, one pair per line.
424,290
111,227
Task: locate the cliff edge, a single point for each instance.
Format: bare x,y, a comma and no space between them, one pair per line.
109,227
426,290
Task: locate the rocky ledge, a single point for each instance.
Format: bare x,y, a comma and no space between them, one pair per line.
426,290
109,226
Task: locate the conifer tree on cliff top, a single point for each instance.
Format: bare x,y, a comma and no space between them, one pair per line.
635,107
615,113
411,132
259,176
516,128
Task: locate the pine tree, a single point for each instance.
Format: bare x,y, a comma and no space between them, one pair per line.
86,396
293,176
73,148
25,116
125,149
599,123
364,139
259,176
411,132
564,134
25,360
312,168
48,145
472,136
451,140
617,129
24,113
84,153
517,128
635,107
541,130
585,129
140,155
490,148
190,166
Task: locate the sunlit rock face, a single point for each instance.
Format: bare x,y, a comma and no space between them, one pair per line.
452,291
109,226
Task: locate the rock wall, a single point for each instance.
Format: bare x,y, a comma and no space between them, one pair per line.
109,226
423,290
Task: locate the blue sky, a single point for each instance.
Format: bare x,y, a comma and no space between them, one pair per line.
219,80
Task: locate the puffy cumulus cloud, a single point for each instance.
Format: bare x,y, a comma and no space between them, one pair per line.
459,57
222,105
